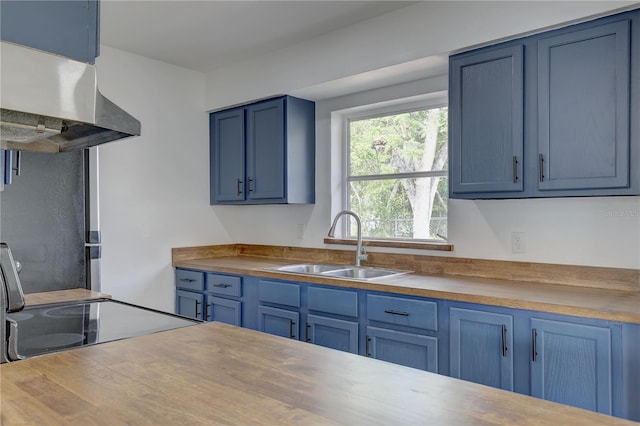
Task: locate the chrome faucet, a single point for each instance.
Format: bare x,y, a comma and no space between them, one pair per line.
361,254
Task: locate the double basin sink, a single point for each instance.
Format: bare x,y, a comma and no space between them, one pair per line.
340,271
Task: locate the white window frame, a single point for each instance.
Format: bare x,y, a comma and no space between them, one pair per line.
367,112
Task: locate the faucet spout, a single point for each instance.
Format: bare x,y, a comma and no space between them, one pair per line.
361,254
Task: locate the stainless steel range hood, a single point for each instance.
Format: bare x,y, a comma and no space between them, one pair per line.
49,103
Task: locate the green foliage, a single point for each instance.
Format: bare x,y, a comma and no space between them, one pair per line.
400,143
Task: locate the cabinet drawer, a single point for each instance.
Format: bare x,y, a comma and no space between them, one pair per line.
278,292
409,312
191,280
224,285
224,310
332,301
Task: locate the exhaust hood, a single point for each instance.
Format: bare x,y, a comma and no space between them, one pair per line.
50,103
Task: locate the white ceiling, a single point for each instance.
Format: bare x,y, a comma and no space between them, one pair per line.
203,35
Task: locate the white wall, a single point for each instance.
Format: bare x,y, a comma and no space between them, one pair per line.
154,189
409,34
155,193
600,231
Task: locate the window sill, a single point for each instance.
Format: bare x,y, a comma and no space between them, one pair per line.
416,245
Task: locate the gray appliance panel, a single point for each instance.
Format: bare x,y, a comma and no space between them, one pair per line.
43,221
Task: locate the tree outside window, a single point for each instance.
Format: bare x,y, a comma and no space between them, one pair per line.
397,174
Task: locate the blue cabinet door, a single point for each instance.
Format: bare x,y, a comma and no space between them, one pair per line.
190,304
408,349
227,151
583,108
223,310
332,333
265,150
572,364
65,27
264,153
481,347
279,322
486,121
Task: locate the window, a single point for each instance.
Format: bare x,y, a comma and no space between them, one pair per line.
396,178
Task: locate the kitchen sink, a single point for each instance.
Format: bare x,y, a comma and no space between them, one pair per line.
365,273
340,271
309,268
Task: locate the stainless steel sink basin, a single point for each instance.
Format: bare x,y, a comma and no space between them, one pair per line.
340,271
365,273
309,268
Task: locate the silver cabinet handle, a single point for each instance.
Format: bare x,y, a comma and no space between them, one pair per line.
187,280
534,349
221,285
366,349
504,340
250,181
206,312
541,166
238,186
392,312
197,306
18,166
291,324
307,338
515,169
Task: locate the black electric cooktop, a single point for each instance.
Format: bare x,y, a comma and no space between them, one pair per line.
52,328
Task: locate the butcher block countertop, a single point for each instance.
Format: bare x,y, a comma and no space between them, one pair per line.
71,295
583,301
214,373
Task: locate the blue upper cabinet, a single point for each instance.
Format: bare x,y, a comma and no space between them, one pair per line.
487,121
227,156
69,27
265,150
264,153
583,108
571,134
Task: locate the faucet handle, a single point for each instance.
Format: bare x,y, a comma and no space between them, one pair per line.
363,254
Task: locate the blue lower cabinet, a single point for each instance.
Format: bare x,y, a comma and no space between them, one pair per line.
582,362
572,364
332,333
190,304
223,310
398,347
481,347
280,322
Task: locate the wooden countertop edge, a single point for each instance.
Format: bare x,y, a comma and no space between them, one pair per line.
59,296
515,271
255,378
393,286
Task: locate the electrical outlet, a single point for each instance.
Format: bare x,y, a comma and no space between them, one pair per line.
518,243
300,231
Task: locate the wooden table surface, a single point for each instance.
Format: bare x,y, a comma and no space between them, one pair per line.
218,374
612,305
